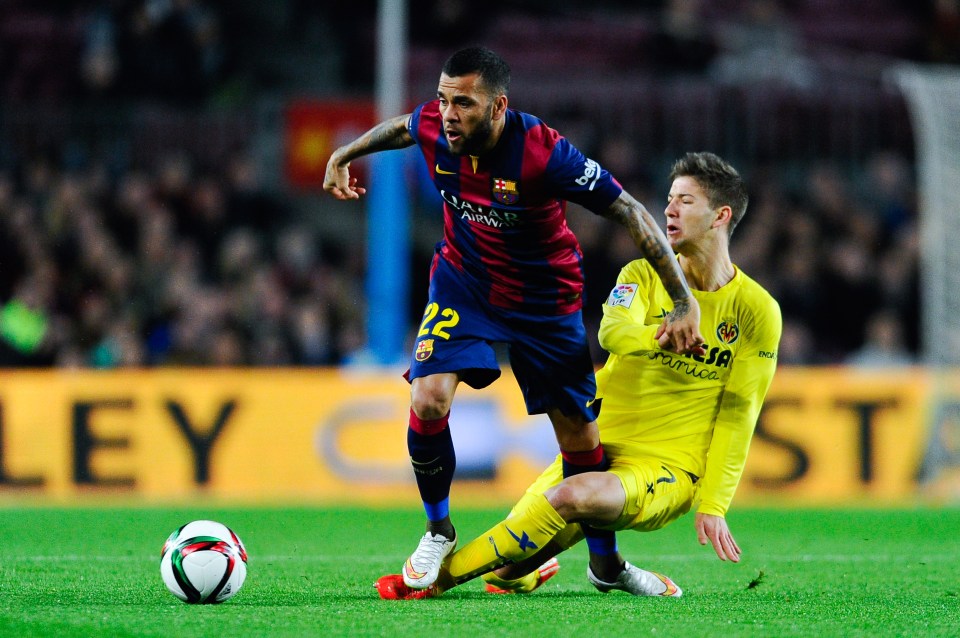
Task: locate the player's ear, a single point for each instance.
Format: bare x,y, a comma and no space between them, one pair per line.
499,106
723,216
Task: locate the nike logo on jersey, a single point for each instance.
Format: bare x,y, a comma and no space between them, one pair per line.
440,171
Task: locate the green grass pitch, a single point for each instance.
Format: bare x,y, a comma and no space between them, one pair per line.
95,572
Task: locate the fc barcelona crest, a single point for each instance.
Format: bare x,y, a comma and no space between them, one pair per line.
424,350
505,191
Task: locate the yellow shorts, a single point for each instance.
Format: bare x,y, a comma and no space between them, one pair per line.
656,494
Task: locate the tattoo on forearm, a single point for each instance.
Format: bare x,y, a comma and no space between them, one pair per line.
387,135
680,309
652,243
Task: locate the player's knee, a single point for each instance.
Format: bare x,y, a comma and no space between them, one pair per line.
429,403
429,409
431,396
569,501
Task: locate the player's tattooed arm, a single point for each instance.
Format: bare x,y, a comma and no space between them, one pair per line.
680,330
652,243
387,135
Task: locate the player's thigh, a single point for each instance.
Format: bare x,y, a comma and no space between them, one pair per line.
551,360
656,493
455,334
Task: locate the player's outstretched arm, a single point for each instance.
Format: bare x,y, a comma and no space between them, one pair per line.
714,529
680,330
387,135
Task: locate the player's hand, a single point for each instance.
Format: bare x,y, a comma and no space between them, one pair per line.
713,529
680,330
337,180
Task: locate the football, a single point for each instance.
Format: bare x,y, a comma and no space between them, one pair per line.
203,562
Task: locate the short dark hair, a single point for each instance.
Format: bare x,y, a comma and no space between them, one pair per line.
488,65
719,180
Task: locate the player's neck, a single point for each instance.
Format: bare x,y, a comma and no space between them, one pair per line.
707,270
495,135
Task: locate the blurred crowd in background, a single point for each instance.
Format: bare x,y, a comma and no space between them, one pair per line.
170,49
176,261
840,254
169,266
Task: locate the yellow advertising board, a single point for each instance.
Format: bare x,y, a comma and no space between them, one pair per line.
836,434
825,436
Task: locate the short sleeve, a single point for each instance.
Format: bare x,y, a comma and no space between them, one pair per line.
577,178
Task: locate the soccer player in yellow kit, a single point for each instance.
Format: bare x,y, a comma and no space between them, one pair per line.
676,428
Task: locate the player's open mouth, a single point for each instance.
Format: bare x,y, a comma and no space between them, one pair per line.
452,136
672,230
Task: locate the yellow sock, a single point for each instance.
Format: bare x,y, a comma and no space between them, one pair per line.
512,540
566,538
569,536
522,585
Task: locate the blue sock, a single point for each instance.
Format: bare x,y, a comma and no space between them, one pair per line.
600,541
434,461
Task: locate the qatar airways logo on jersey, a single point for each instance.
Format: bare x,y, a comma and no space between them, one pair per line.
477,213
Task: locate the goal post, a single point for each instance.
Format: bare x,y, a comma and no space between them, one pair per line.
932,95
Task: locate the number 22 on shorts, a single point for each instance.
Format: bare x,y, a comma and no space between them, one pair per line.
438,329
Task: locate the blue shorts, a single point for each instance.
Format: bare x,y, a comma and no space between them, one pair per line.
549,355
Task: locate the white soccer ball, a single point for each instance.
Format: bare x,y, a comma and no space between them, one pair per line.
203,562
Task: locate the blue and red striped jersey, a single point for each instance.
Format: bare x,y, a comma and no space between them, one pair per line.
505,227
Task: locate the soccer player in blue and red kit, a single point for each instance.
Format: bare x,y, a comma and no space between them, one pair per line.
508,270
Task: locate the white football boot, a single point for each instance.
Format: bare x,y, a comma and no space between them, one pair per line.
423,567
638,582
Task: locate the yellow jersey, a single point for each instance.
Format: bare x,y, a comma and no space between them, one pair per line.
695,413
